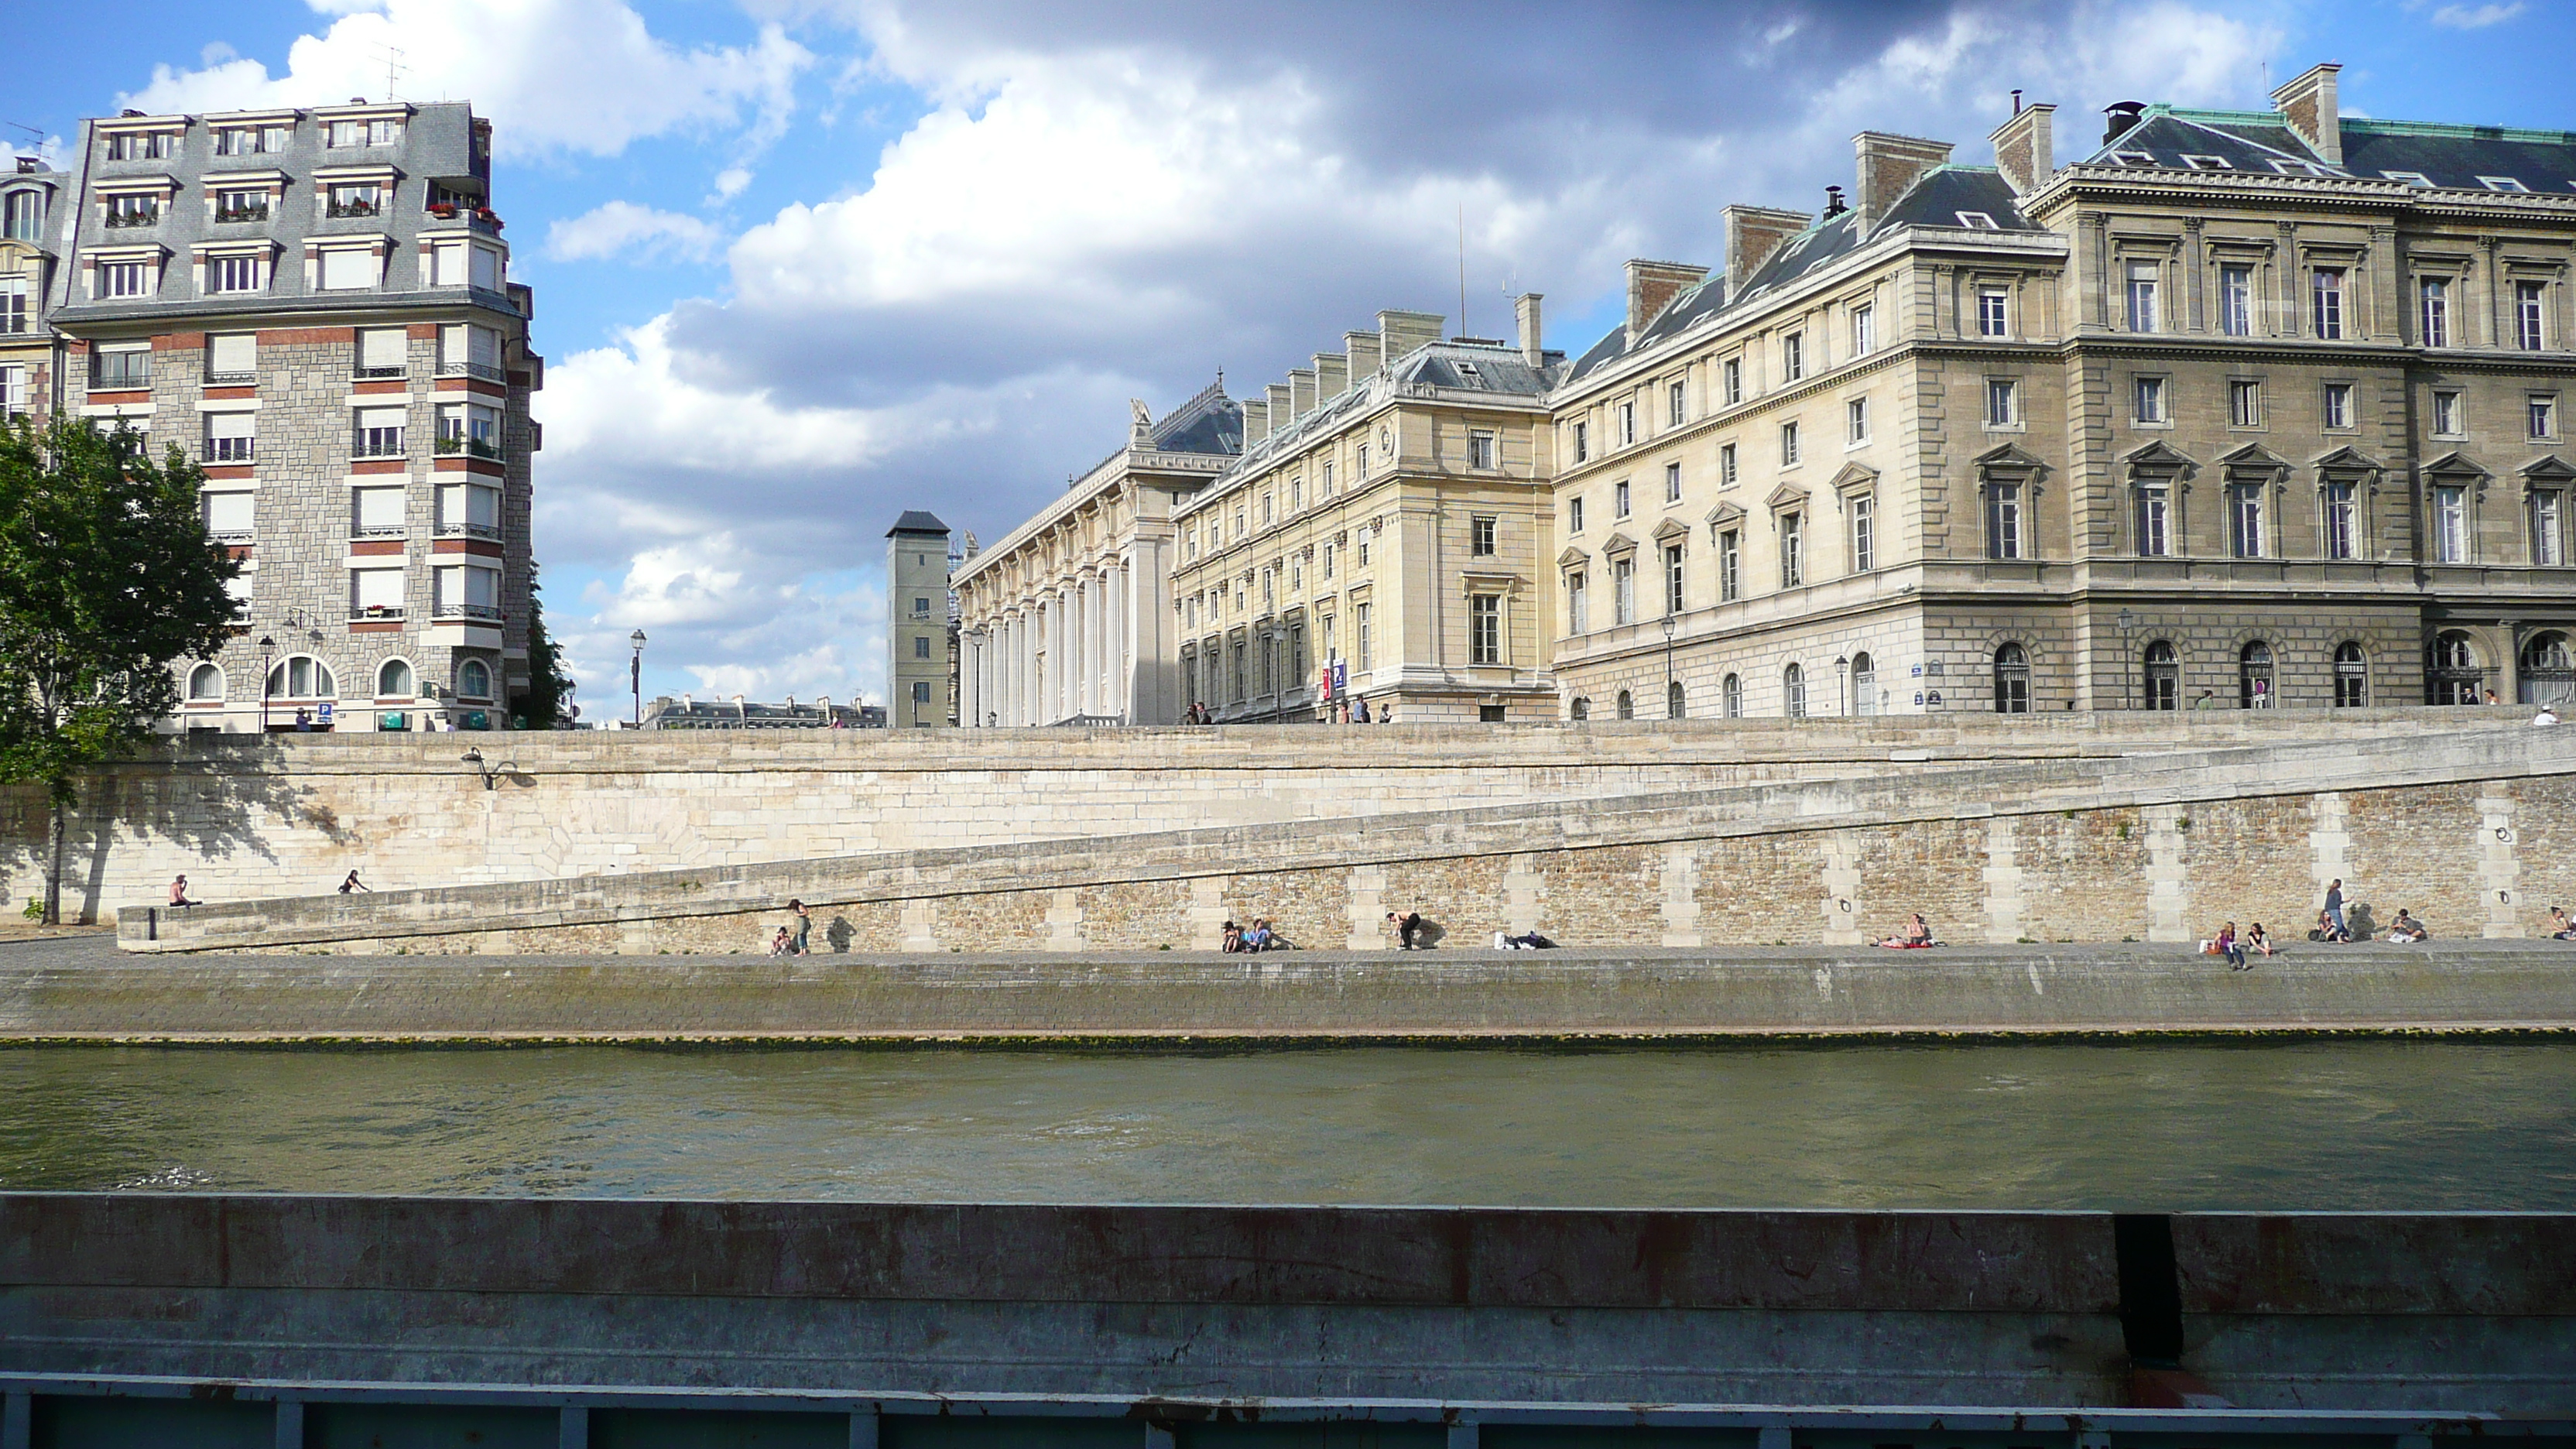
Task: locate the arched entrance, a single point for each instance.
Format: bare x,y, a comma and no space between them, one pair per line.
2452,674
2164,676
2254,676
2012,680
1864,684
2352,676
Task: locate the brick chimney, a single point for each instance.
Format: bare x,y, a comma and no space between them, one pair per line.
1533,347
1362,349
2309,108
1652,286
1753,233
1400,333
2026,149
1889,164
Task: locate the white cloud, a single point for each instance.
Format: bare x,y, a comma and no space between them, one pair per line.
731,181
2477,17
574,75
624,231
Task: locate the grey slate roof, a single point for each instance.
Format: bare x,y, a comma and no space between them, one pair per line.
916,521
2446,155
1494,368
1210,423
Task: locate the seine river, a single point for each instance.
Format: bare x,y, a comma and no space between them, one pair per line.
2314,1124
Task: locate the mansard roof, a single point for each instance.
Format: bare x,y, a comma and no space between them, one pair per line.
2448,156
1209,423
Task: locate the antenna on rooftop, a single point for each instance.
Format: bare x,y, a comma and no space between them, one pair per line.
392,56
1462,270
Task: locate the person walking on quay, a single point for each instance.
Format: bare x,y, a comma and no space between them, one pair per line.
2208,700
2337,930
179,892
352,883
1360,712
804,928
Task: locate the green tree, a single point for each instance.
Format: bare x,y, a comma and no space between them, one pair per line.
106,577
547,682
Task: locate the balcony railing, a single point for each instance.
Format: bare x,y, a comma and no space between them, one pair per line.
361,612
469,611
230,450
378,443
455,447
233,535
231,379
353,208
242,213
483,370
134,218
379,530
449,528
378,374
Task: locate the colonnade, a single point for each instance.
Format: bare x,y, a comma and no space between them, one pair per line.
1063,651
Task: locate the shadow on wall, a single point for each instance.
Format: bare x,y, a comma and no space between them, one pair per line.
210,797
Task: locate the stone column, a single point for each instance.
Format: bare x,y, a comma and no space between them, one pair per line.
1120,688
1066,656
970,682
1086,642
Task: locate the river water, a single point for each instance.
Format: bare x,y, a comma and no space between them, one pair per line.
2359,1124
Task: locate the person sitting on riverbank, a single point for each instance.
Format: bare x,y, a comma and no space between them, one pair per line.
2406,930
2259,940
780,944
2560,928
2229,946
1232,941
179,892
2329,929
1916,935
1260,937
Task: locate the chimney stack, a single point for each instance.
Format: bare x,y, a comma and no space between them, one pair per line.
1533,349
1301,390
1256,422
2026,148
1399,333
1753,233
1652,287
2310,109
1332,374
1362,349
2124,119
1282,411
1889,164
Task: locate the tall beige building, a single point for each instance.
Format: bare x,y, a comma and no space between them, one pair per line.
32,213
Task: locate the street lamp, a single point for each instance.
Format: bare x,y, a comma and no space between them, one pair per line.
267,646
2126,621
1671,626
635,676
1842,682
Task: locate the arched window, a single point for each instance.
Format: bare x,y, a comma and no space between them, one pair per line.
2352,676
2254,676
1864,684
2452,672
301,676
1793,693
1676,704
2012,680
393,680
1733,690
2548,670
205,682
1627,705
1581,709
2164,676
474,679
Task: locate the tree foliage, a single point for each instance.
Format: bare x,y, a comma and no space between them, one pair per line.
106,577
542,706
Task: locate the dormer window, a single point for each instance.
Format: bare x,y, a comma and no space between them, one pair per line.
2411,178
1467,373
242,205
22,215
385,132
251,140
2208,163
2502,183
2134,158
2300,168
1977,221
356,198
133,210
143,146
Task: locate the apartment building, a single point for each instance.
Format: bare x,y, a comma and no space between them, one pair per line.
1381,537
316,304
921,633
2243,407
30,233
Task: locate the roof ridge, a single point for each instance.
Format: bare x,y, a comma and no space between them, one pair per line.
2246,140
2372,125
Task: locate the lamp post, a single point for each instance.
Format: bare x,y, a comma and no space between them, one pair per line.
2126,620
267,646
1671,627
1842,682
635,676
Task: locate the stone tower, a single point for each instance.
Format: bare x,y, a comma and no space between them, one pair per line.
919,660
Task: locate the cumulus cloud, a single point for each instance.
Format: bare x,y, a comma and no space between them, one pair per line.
570,75
2477,17
624,231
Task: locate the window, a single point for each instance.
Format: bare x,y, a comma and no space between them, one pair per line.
2450,524
382,352
1788,444
2012,680
1265,510
380,433
469,592
2151,400
2003,520
376,593
13,389
474,679
1362,461
1793,550
1864,533
2003,402
470,429
1730,566
472,352
133,210
231,437
2351,676
2548,671
143,146
2548,529
301,676
376,512
126,279
230,517
1977,220
1627,418
2527,299
2236,301
1582,445
234,274
920,646
2155,519
1327,490
2244,403
2289,167
2163,676
1856,419
1733,373
2142,297
1480,450
2540,412
1328,560
355,198
2454,675
1864,331
349,269
13,303
205,682
2325,293
1623,591
1578,709
2501,183
1577,616
1619,499
2341,531
1484,629
232,357
1992,318
1730,693
2436,293
473,510
1676,702
2254,676
122,367
1864,678
2335,409
1672,578
1574,515
1726,465
22,216
2411,178
1363,650
1793,693
1673,410
238,205
1793,356
2245,519
2134,158
1672,482
2450,419
394,680
249,140
1481,532
2208,163
1627,705
363,133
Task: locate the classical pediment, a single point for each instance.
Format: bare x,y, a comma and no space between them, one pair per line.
2455,463
2010,455
1854,478
2550,470
1573,558
1618,543
2156,457
1669,530
2347,459
2253,456
1726,513
1785,497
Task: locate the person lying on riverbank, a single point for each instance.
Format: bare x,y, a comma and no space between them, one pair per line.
1916,935
2406,930
1529,941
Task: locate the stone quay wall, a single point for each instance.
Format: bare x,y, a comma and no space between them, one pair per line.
2469,831
288,815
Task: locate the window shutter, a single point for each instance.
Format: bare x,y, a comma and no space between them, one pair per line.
381,347
487,268
483,587
380,508
382,417
447,264
235,353
379,588
348,269
229,512
232,425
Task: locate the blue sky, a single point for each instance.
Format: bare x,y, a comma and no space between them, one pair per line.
802,264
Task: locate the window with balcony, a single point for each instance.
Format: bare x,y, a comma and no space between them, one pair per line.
382,352
2236,301
240,205
355,198
134,211
228,275
470,430
2435,293
379,432
376,593
1484,629
467,592
231,437
120,367
2529,308
377,512
230,517
2325,302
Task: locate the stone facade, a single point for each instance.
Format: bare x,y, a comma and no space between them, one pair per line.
32,216
324,305
921,670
